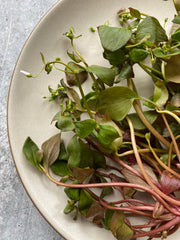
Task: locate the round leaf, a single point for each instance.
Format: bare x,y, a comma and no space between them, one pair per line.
117,101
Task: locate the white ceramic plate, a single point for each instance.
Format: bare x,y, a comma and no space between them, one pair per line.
30,115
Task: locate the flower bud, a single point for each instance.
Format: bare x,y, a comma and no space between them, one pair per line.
27,74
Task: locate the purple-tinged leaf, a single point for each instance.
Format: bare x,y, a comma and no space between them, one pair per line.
51,149
169,183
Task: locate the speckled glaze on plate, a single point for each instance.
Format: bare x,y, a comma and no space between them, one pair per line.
30,115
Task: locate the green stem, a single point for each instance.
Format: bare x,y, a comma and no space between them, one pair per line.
172,137
145,67
138,110
160,162
169,113
85,63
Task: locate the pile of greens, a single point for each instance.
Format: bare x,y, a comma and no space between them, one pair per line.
135,154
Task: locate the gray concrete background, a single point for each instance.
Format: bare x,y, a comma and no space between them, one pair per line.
19,219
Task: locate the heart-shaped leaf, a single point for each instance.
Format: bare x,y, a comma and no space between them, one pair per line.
117,101
106,75
119,228
84,128
151,116
169,183
115,58
113,38
152,26
161,94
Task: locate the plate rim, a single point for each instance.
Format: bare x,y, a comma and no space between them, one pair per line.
51,9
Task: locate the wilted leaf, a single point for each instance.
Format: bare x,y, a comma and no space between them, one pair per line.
132,178
117,101
94,210
82,173
79,71
73,96
51,149
113,38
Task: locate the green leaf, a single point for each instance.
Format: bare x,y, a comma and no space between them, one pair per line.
107,218
176,19
107,134
51,149
176,36
113,38
106,75
63,154
99,160
175,128
85,202
164,158
117,101
125,73
74,57
119,228
64,123
115,58
30,150
138,54
84,128
152,26
60,168
151,116
69,207
161,94
73,193
79,153
171,107
42,57
135,13
158,52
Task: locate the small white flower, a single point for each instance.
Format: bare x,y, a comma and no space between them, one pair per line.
27,74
